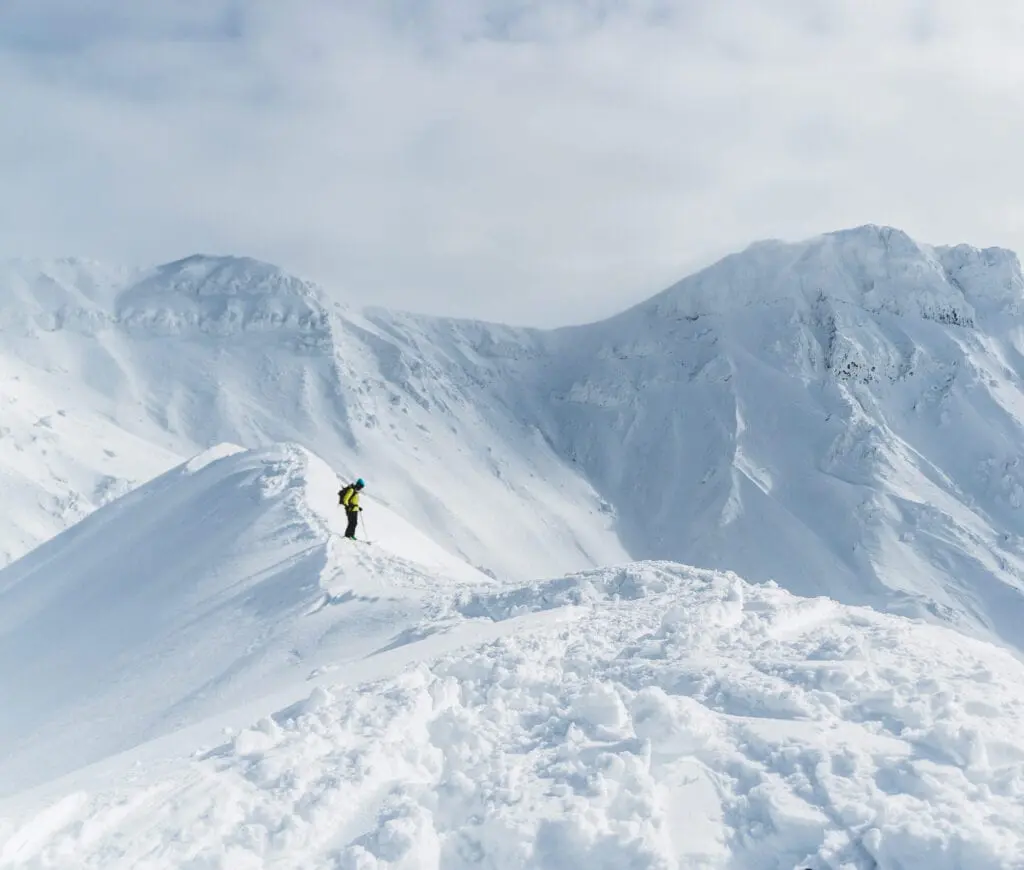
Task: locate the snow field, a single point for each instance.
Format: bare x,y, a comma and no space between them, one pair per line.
674,718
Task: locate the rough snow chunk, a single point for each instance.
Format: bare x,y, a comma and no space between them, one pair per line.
599,706
675,725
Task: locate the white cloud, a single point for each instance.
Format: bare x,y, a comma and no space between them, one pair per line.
538,161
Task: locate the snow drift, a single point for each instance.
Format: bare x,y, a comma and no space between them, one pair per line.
643,716
213,583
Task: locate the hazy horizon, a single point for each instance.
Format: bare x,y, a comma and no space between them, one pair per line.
502,161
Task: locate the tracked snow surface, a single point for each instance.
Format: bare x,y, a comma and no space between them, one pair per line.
247,690
197,671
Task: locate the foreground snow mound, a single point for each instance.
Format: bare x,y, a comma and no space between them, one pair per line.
667,718
213,584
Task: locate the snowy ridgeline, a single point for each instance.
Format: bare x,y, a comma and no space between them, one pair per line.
222,580
649,716
844,415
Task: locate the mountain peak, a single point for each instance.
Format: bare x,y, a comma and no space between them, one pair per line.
879,269
871,233
867,235
221,294
209,274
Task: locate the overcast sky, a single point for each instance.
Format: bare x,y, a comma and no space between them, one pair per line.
538,161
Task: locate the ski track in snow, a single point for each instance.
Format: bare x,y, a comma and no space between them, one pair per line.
678,719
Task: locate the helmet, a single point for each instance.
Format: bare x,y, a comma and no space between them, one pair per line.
360,483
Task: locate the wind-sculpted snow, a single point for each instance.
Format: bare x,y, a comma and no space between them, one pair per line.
666,718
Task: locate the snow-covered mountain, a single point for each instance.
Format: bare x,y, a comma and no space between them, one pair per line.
842,415
211,350
195,670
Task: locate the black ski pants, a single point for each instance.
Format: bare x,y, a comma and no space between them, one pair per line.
353,520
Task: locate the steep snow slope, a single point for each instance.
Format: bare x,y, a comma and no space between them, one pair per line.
60,458
843,415
61,453
669,718
216,582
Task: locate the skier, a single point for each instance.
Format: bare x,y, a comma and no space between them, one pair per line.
349,498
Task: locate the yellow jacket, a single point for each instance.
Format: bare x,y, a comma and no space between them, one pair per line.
349,497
